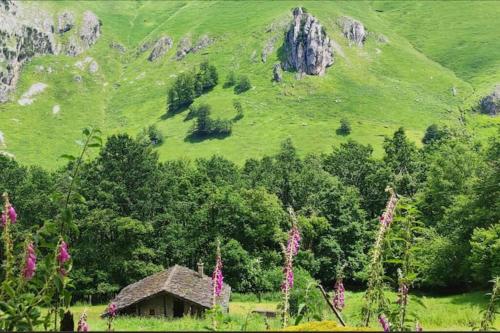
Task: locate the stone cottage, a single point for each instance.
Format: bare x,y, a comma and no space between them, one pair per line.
175,292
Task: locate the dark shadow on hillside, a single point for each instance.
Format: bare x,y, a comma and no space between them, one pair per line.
195,138
170,113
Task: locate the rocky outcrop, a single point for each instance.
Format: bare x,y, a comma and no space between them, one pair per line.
491,103
202,43
93,67
185,47
268,48
26,31
119,47
277,73
90,30
22,36
161,47
65,21
307,48
353,30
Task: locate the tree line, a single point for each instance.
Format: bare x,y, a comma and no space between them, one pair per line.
135,215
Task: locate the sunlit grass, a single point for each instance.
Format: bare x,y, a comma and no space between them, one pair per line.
457,312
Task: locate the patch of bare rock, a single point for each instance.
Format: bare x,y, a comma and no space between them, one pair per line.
307,47
29,96
353,30
28,31
491,103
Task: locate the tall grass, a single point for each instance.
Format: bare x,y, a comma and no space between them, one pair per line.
456,312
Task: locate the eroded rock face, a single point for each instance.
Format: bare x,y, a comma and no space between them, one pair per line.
277,73
65,21
90,31
353,30
27,31
307,47
22,36
119,47
161,47
185,47
491,103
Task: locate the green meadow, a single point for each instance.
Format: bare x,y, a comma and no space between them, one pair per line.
406,82
452,313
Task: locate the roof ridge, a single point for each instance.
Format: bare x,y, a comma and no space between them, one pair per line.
170,275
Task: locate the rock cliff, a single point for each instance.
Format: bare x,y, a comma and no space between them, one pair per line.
29,32
491,103
307,48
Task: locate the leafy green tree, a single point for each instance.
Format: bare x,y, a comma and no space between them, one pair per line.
120,243
402,156
230,80
345,127
433,134
182,93
242,84
123,164
206,78
353,164
485,254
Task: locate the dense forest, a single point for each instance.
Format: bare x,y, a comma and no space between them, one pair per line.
134,215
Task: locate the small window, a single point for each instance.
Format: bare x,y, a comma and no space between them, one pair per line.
151,312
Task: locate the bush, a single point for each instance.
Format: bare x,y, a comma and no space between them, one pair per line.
154,135
188,86
182,93
206,126
239,110
206,78
485,253
230,80
345,127
243,84
433,133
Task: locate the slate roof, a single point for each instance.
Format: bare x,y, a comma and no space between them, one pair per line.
178,281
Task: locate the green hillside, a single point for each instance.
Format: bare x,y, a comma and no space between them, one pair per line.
378,88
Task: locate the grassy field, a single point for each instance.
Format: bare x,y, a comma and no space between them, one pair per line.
457,312
405,82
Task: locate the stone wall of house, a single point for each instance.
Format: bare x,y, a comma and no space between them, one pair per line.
156,304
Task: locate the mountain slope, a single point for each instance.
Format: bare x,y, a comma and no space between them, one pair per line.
378,87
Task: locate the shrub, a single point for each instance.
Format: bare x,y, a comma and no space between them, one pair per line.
433,133
154,135
239,110
243,84
206,126
230,80
485,253
206,78
345,127
182,93
188,86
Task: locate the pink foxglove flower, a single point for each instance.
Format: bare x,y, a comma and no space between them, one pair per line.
338,299
384,322
293,240
12,214
418,327
402,294
387,217
30,263
63,254
111,310
217,277
83,326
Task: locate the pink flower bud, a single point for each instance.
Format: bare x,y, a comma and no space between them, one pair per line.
338,299
30,262
12,214
384,322
63,254
111,311
217,277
